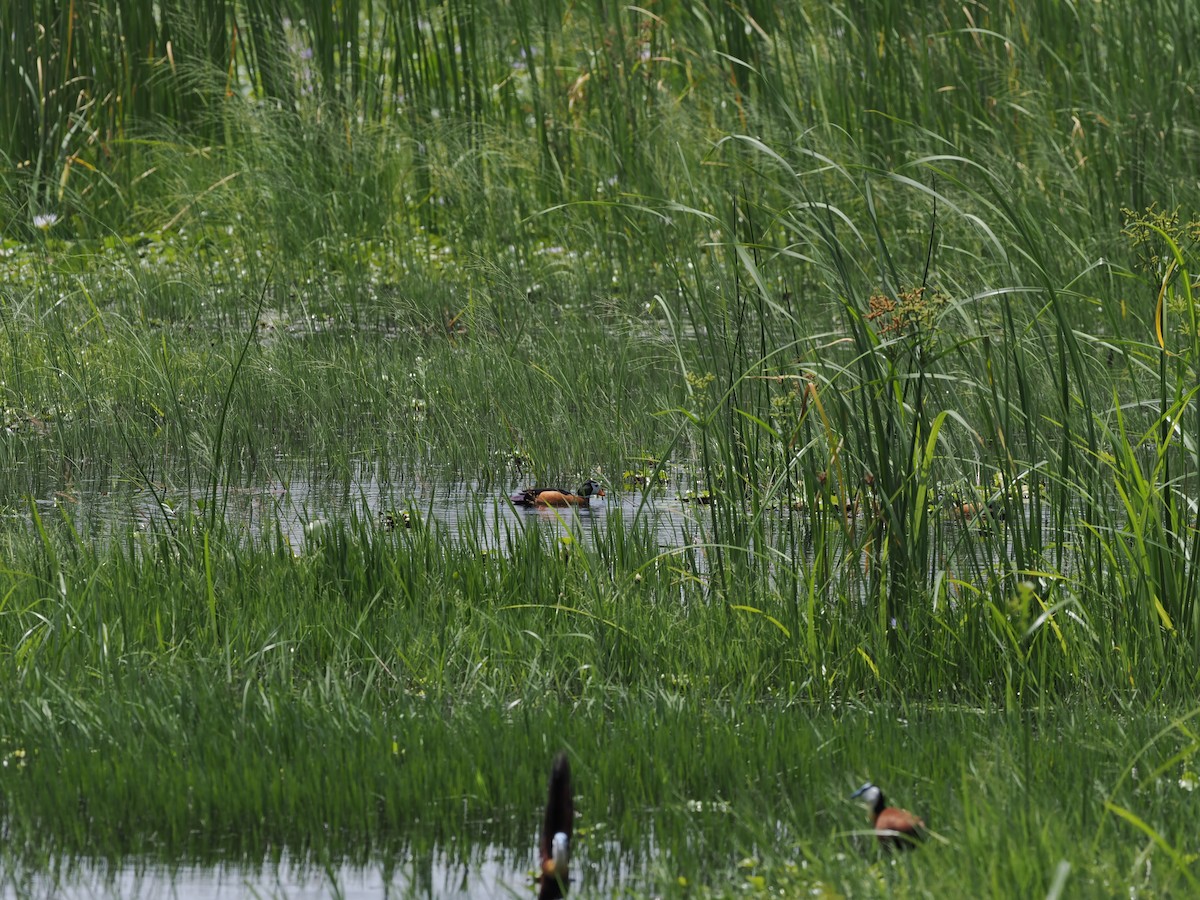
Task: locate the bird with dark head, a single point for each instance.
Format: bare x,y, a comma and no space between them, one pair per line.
542,497
556,831
897,829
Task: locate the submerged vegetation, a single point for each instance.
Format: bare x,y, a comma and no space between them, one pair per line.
899,306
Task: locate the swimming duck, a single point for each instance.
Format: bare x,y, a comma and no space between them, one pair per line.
976,511
556,496
897,829
556,831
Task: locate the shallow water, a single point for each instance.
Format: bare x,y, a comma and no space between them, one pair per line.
492,874
300,502
297,505
482,870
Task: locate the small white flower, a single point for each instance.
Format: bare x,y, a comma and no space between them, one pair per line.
45,221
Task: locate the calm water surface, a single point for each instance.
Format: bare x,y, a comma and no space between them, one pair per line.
492,873
295,504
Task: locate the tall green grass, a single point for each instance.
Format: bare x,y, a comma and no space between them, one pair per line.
868,311
390,693
540,104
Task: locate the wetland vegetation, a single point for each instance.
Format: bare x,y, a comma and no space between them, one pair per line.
893,311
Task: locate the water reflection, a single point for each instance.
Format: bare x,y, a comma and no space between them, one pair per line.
294,504
491,872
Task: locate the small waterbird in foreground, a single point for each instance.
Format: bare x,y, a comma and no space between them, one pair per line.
556,831
557,497
897,829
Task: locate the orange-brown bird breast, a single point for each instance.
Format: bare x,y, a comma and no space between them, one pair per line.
552,883
908,826
558,498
